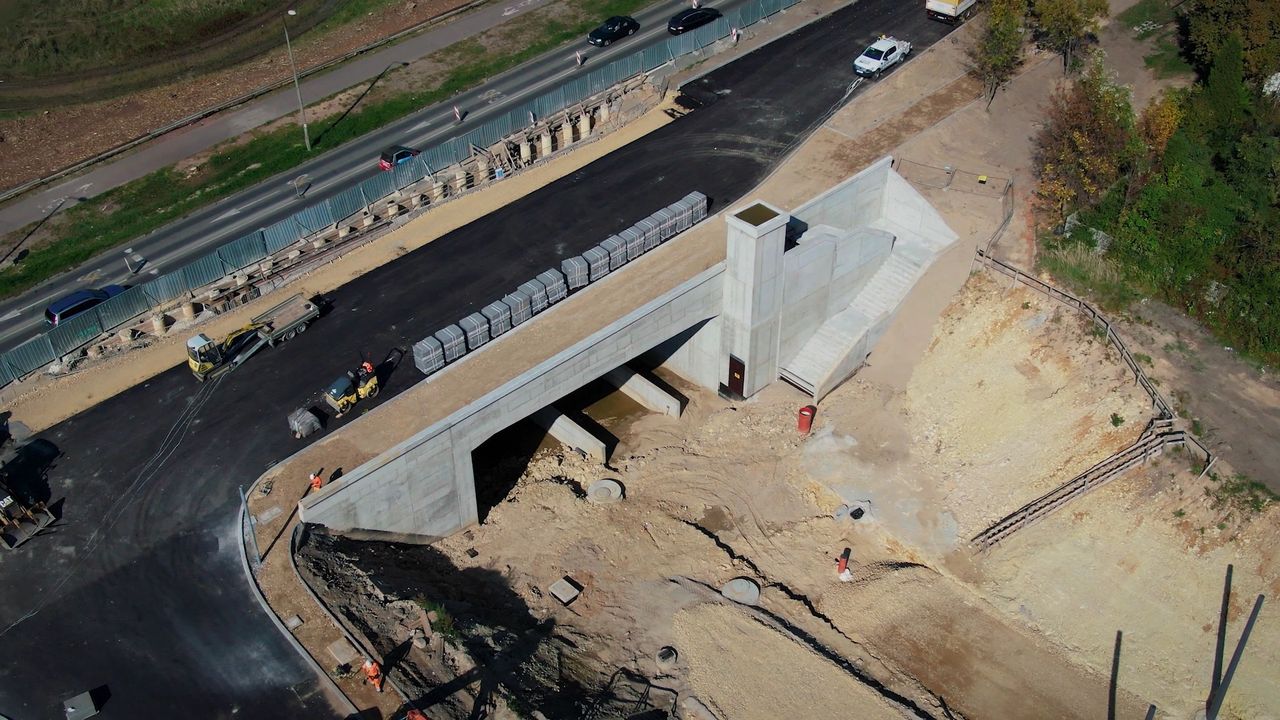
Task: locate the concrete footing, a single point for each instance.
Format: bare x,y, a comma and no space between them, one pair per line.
570,433
643,390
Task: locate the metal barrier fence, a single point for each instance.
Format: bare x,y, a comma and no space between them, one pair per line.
255,247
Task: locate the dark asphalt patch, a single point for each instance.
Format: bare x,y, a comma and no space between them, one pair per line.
120,608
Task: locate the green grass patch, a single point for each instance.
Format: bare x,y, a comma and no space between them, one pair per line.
1146,13
1079,268
1116,420
1166,59
1239,493
444,624
119,216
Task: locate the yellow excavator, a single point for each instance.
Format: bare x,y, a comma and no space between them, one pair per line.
209,358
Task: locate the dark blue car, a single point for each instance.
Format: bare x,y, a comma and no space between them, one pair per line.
79,301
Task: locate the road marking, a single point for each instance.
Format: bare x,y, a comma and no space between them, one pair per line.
230,213
513,9
10,315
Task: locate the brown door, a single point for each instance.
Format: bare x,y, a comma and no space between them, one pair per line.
737,376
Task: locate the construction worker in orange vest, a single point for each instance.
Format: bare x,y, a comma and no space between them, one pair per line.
416,714
317,481
373,673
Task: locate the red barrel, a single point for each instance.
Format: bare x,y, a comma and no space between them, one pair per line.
805,420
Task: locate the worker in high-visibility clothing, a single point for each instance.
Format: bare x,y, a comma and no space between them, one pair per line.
416,714
317,481
373,673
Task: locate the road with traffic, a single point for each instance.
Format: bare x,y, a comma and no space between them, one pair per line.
329,173
141,588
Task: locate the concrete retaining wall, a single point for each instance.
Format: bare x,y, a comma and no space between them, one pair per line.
425,485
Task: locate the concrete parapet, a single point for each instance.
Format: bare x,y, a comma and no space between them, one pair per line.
643,391
564,429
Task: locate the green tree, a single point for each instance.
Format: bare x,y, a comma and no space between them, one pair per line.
1064,24
1089,139
1255,22
998,53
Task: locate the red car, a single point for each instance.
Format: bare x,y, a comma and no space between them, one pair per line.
396,155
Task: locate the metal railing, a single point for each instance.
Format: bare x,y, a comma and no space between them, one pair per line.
231,258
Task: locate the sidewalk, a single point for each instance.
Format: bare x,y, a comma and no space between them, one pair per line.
185,142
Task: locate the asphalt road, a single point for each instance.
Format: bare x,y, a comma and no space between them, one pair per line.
140,587
332,172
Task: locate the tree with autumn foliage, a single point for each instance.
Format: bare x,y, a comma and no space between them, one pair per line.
1087,142
1064,24
998,53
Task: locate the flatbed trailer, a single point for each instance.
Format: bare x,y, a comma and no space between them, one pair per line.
208,358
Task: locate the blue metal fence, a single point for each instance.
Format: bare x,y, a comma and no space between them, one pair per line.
253,248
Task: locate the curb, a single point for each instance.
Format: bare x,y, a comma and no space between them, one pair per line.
227,105
336,696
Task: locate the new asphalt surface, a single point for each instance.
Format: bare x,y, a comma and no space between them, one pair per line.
140,587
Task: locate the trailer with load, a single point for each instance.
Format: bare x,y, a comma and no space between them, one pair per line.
210,358
951,11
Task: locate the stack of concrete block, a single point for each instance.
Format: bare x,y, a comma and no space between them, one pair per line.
476,327
428,355
499,317
555,285
537,293
617,249
521,307
454,341
551,286
577,272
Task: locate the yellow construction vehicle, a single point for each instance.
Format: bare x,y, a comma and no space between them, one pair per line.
209,358
351,388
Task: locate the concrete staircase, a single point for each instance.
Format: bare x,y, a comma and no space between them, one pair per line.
841,343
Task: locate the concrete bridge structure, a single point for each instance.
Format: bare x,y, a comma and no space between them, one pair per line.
801,296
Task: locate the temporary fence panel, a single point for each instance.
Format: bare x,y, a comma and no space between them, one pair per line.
346,203
576,272
378,187
454,342
554,283
597,262
476,326
428,355
122,308
499,317
708,34
166,287
617,249
243,252
280,236
407,174
655,56
6,375
635,243
314,219
204,271
30,356
521,306
74,332
537,293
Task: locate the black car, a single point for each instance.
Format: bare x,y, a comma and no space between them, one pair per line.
615,28
687,20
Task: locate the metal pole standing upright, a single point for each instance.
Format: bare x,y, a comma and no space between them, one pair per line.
302,111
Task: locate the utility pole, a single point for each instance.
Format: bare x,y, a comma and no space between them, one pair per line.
302,112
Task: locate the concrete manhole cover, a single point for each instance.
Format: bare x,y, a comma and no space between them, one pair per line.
604,492
742,590
666,658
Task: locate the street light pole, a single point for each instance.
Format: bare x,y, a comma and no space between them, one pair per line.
302,112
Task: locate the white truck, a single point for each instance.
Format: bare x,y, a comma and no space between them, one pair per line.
881,55
951,11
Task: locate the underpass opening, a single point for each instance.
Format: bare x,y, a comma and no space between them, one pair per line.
599,408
